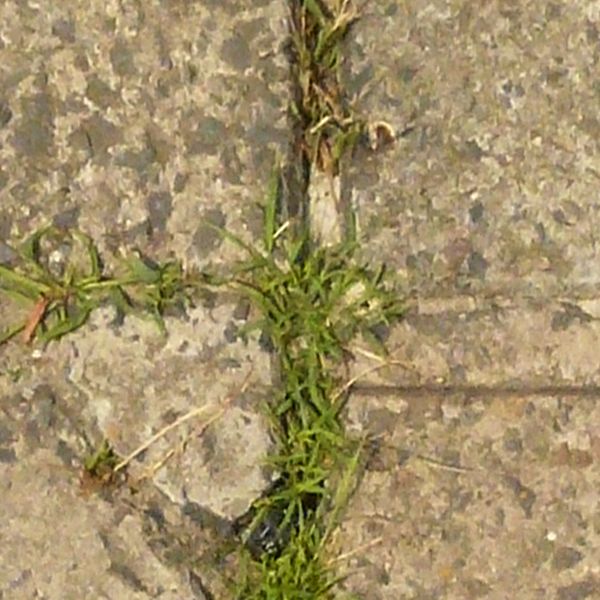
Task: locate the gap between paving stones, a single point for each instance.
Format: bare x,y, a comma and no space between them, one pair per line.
415,393
323,305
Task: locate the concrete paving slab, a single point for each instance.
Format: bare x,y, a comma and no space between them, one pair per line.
491,184
59,544
137,123
485,204
468,341
488,496
157,382
483,482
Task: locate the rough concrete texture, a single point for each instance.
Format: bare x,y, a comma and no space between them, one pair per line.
490,187
220,469
58,544
484,479
490,496
136,122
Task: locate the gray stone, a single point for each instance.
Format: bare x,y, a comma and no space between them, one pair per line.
7,254
100,93
236,52
101,133
43,510
485,131
64,29
477,265
578,591
206,137
525,496
160,205
206,237
484,213
5,114
219,469
67,219
125,120
8,455
121,58
33,137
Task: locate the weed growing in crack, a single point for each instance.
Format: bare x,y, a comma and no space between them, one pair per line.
59,280
318,28
100,464
99,473
311,303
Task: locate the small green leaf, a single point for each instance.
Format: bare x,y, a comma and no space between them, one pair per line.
103,460
160,322
270,216
312,6
10,332
345,140
140,271
69,322
28,287
30,248
296,250
95,269
120,300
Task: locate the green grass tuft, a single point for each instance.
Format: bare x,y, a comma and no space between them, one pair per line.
102,461
59,280
311,302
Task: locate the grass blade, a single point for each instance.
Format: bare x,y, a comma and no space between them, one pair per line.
62,327
10,332
28,287
312,6
271,210
30,248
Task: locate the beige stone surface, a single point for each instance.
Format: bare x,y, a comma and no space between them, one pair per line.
59,544
476,496
491,184
138,123
484,478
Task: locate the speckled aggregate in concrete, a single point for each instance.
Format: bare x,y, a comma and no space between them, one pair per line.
485,481
492,185
477,497
136,122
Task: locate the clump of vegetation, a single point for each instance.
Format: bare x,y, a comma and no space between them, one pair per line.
311,303
329,126
59,279
101,463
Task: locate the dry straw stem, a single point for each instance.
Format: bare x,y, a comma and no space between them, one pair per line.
151,471
438,464
366,372
346,14
196,412
354,552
